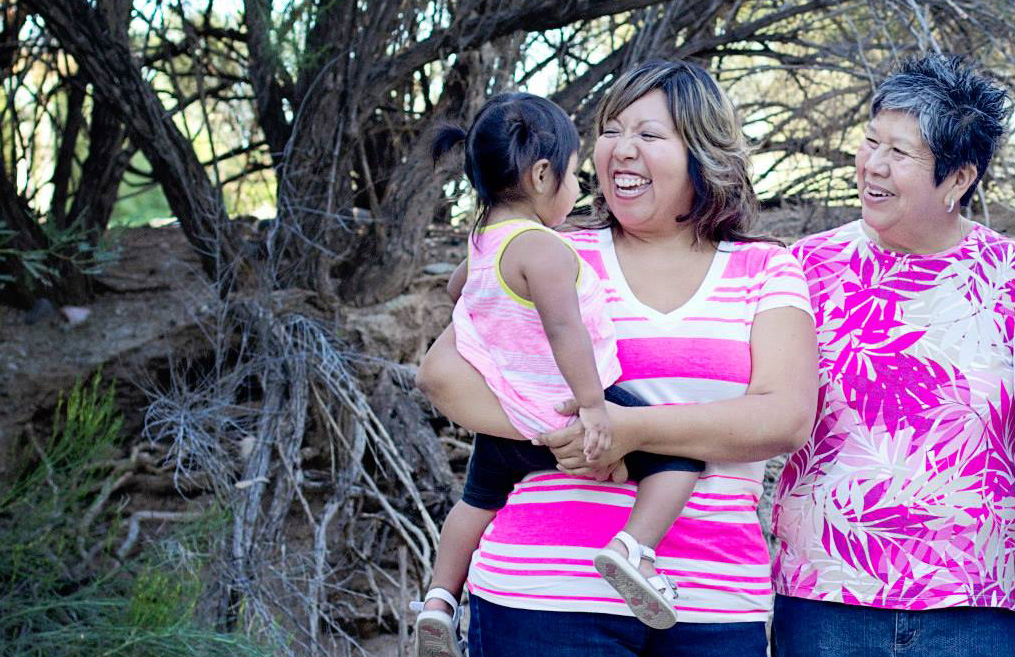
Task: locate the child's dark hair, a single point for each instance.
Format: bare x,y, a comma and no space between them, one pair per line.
511,133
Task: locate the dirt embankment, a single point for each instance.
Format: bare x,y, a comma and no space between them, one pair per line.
159,298
155,310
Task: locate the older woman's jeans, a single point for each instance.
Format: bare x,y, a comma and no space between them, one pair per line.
809,628
498,631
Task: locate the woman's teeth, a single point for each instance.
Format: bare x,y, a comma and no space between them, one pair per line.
630,182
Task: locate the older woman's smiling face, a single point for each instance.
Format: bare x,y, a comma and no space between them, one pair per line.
895,177
641,163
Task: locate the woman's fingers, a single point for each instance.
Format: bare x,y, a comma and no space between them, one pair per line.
569,407
570,437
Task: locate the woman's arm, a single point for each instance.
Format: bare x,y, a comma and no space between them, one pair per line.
775,416
459,391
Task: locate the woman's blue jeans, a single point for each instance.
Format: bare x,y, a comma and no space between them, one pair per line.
498,631
809,628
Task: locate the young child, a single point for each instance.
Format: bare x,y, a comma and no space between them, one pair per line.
530,316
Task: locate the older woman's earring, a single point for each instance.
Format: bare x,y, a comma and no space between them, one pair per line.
951,204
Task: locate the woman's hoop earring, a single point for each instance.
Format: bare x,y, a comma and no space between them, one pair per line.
951,204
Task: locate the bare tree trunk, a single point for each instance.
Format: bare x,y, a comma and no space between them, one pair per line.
107,159
264,70
27,237
195,201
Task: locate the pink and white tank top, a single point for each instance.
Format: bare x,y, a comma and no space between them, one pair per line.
501,335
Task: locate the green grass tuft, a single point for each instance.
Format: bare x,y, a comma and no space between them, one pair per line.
58,601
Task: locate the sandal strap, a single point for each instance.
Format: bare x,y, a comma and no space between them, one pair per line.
634,549
443,594
664,585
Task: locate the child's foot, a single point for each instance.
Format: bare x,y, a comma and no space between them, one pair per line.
629,568
437,626
438,604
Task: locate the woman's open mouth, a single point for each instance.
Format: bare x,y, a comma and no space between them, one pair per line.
630,185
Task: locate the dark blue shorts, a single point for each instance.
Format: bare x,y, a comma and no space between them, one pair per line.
497,464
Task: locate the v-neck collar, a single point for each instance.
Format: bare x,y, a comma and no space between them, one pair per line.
694,303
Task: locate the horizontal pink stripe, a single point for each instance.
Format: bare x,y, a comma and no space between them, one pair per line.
630,319
698,358
724,611
535,573
570,479
720,320
678,574
715,508
555,475
592,525
724,542
684,584
739,288
701,576
558,523
759,297
531,596
745,264
600,489
567,485
722,476
721,496
557,560
718,507
781,271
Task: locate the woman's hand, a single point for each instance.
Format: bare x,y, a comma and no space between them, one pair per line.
568,447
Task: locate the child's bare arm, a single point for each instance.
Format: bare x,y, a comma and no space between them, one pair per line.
549,270
457,280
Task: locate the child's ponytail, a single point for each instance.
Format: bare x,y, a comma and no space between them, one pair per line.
522,149
510,134
447,137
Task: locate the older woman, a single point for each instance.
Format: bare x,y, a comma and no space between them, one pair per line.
715,329
896,522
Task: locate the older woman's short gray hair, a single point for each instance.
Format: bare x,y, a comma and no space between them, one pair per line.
962,114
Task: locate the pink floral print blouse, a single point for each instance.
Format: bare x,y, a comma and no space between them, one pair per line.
904,497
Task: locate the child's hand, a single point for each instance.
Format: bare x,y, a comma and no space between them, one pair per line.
619,474
598,436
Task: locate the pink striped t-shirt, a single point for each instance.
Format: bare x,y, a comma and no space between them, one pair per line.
537,553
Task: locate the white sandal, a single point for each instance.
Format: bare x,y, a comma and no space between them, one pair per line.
437,631
650,598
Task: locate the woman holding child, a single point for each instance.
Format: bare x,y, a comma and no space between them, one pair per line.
714,329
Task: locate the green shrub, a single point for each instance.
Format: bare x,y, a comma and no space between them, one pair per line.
71,245
60,600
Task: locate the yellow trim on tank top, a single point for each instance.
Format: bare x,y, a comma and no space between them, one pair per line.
529,225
